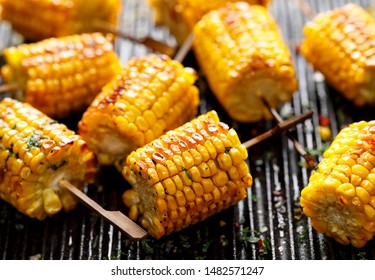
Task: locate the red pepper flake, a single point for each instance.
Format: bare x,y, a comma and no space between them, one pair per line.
324,121
260,246
372,141
277,193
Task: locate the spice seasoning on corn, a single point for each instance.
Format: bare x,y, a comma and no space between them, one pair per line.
186,175
341,45
61,76
36,152
340,196
152,95
243,56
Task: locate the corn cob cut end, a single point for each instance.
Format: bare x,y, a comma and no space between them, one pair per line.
36,152
152,95
186,175
340,196
243,55
341,45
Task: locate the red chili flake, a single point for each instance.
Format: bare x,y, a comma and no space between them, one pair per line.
372,141
260,246
277,193
324,121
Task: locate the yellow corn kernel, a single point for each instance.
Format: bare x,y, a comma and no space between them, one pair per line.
180,16
52,203
31,167
49,18
192,194
328,34
251,64
130,109
339,197
41,89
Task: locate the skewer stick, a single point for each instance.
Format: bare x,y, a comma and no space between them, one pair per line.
310,162
151,43
116,218
305,8
5,88
281,126
185,48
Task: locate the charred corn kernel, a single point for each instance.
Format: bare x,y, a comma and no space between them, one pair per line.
341,45
37,20
243,55
31,185
45,58
181,15
114,125
198,190
339,198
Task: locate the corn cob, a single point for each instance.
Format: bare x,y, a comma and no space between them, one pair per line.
36,152
242,54
340,195
61,76
41,19
186,175
180,16
341,45
153,94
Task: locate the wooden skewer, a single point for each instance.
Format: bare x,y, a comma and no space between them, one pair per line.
151,43
281,126
133,230
116,218
185,48
5,88
310,162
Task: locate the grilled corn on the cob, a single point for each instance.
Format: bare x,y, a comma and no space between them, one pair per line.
180,16
243,55
153,94
341,44
36,152
186,175
61,76
41,19
340,196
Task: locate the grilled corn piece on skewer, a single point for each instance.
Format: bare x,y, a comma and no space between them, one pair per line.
341,45
186,175
36,152
243,55
61,76
180,16
152,95
41,19
340,195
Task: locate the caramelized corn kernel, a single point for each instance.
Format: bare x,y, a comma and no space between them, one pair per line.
194,193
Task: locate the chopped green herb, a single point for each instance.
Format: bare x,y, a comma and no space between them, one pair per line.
319,151
206,246
186,172
34,139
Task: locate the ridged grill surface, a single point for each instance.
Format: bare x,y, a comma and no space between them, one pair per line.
271,212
